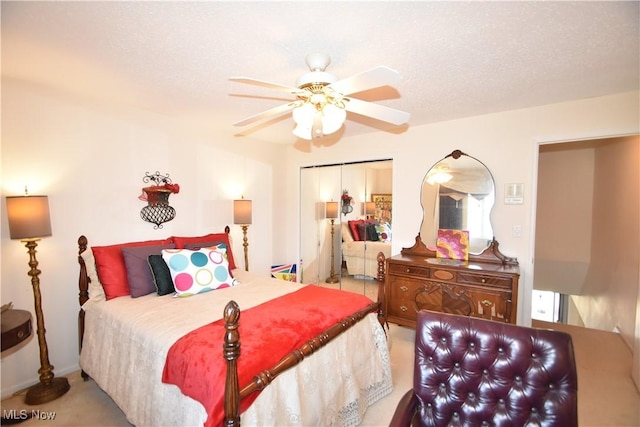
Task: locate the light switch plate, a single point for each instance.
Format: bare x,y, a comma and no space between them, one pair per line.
514,194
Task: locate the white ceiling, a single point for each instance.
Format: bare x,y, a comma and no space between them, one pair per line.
456,59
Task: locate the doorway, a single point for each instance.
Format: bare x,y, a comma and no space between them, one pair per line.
587,237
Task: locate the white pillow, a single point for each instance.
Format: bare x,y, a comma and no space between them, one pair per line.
96,291
196,271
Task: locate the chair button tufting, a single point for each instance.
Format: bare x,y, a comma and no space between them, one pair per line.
551,386
500,350
443,339
455,415
518,378
534,411
471,395
457,364
485,423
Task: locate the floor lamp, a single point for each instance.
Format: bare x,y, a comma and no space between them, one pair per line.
29,221
242,216
331,212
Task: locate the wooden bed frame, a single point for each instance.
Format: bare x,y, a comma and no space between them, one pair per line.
231,342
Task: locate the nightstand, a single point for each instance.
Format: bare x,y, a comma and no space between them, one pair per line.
16,327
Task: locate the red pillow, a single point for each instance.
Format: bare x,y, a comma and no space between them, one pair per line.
209,238
111,268
353,226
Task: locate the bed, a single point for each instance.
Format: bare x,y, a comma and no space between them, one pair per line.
125,342
360,254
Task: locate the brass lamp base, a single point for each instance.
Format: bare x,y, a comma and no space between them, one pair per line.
43,393
332,279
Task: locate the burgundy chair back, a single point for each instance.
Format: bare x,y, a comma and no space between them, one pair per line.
475,372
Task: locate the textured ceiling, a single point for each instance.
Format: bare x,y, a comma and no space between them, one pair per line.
456,59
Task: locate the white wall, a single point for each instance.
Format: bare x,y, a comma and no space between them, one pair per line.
506,142
90,161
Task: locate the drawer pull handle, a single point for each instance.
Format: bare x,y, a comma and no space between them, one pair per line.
403,308
484,280
21,334
404,288
487,302
408,270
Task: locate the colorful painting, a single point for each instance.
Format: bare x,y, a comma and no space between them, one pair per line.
384,205
284,272
453,244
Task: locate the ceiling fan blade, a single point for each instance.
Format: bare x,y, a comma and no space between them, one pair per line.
375,77
376,111
276,111
276,86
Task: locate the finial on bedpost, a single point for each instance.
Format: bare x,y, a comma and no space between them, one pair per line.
231,352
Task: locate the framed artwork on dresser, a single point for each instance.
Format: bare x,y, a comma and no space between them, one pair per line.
383,204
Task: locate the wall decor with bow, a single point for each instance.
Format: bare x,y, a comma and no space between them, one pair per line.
158,210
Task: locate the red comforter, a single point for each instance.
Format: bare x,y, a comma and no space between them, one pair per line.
268,332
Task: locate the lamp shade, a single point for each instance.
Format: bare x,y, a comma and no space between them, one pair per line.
331,210
28,217
242,212
369,208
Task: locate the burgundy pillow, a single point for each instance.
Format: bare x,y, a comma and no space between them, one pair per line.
111,268
139,272
353,226
207,241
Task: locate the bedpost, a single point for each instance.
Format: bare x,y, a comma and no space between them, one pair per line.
231,352
382,315
83,296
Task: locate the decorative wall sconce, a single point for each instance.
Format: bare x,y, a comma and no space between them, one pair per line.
346,202
157,195
29,220
242,216
331,212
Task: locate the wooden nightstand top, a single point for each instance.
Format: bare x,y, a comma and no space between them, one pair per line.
16,327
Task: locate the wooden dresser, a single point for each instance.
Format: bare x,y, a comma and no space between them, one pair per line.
486,286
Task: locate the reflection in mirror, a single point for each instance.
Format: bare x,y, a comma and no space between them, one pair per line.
458,193
368,187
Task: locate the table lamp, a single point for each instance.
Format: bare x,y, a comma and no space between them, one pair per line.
29,221
242,216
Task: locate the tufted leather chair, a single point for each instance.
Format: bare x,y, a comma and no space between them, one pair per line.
476,372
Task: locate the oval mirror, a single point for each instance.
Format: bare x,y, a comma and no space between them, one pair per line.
458,193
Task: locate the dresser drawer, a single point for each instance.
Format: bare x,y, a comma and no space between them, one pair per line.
409,270
484,280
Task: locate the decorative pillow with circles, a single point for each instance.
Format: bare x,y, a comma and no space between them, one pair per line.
197,271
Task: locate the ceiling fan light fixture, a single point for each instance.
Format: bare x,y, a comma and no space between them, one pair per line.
332,118
317,120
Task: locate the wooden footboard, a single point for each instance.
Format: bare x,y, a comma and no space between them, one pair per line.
231,351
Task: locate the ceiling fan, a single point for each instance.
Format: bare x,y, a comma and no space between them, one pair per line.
322,101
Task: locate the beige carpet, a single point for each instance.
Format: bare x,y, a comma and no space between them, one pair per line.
607,396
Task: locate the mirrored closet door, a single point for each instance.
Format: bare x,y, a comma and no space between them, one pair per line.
346,215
